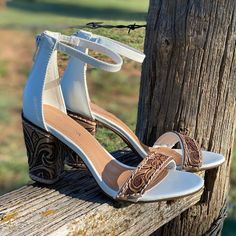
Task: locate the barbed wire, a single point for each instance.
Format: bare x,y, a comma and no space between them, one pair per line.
96,25
90,25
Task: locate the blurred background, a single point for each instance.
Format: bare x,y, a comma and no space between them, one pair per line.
20,21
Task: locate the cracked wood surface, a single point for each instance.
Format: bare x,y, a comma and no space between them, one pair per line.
188,84
76,206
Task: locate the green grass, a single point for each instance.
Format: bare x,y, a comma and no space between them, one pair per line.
35,16
7,104
61,13
110,141
233,166
3,68
232,196
14,172
122,101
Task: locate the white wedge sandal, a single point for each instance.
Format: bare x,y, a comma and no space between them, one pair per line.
50,134
79,106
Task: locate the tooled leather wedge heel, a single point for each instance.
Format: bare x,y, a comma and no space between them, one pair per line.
45,153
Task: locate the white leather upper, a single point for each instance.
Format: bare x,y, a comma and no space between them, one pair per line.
74,83
43,73
115,46
43,84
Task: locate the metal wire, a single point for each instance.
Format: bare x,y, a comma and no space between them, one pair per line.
96,25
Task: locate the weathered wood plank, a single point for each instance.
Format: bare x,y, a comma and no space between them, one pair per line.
76,206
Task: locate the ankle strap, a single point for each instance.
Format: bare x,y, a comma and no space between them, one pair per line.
75,41
114,45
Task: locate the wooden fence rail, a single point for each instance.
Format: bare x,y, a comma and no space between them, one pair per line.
76,206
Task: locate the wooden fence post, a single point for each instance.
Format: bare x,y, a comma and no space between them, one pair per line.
188,84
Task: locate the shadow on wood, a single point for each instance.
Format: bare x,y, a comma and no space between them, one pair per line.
75,205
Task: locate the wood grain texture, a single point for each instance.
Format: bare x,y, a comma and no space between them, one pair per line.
76,206
188,84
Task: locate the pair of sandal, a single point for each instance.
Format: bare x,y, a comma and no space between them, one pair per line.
52,108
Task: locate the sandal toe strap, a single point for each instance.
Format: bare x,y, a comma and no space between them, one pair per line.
147,174
191,152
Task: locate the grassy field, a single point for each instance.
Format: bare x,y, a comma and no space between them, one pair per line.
54,14
19,22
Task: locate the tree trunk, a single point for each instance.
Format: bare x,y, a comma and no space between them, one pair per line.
188,84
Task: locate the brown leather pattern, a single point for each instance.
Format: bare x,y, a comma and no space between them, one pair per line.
192,158
89,125
148,173
45,153
192,153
